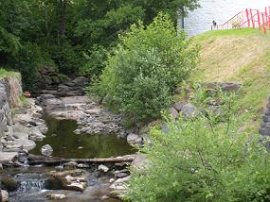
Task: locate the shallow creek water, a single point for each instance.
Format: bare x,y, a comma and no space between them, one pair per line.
66,144
33,189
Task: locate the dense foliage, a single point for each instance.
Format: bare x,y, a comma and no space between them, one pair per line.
203,159
144,69
71,37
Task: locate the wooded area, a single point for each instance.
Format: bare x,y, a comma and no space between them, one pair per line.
70,37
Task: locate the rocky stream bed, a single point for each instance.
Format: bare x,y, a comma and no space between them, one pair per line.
64,148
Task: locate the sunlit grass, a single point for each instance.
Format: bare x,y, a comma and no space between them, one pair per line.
6,73
238,56
228,32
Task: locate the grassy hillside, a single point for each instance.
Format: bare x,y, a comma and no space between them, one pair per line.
238,56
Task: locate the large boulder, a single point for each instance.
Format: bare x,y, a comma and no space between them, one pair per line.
44,97
8,183
189,110
178,106
36,136
74,180
63,89
103,168
53,104
140,163
73,88
229,87
80,81
17,142
120,184
4,196
119,187
121,173
46,150
134,139
55,196
7,156
173,113
26,143
224,86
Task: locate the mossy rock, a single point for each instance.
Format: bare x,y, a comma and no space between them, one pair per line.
9,183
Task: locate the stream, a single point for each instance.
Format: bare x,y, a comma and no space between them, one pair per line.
33,188
65,143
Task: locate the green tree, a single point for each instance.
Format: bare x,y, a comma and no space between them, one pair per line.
144,69
100,23
13,19
103,21
175,8
66,31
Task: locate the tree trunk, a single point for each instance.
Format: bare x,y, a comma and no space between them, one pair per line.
62,7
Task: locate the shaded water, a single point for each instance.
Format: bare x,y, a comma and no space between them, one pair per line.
67,144
31,183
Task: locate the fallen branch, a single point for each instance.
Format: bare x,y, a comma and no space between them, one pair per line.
35,160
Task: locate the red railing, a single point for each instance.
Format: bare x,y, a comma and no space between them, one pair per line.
252,18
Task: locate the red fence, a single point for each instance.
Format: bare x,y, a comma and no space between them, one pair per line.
252,18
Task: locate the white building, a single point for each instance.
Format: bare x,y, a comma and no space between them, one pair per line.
201,19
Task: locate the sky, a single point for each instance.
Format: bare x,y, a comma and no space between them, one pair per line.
201,19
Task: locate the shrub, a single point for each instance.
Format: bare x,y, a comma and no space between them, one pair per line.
201,160
142,72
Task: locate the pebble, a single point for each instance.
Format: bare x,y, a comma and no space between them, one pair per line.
5,197
103,168
56,196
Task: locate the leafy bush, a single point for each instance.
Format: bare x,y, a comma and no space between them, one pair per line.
201,160
142,72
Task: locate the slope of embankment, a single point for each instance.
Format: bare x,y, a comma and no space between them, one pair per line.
10,94
238,56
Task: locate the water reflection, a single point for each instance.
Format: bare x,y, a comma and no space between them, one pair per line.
69,145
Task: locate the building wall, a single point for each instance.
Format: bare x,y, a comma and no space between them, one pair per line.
201,19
